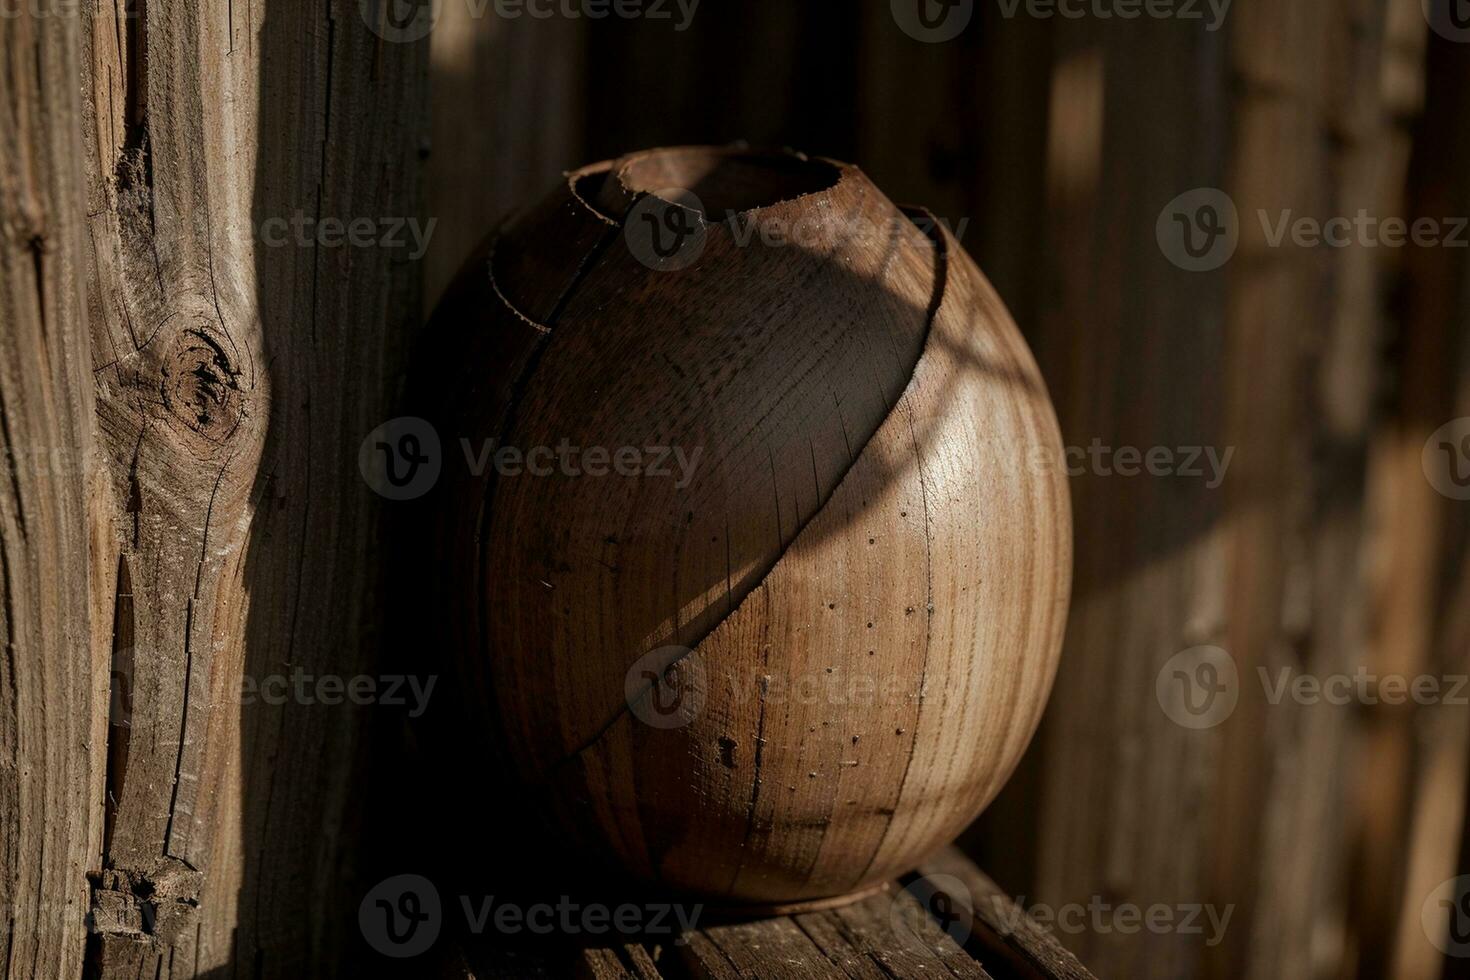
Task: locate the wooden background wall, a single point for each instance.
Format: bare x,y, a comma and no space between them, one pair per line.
211,393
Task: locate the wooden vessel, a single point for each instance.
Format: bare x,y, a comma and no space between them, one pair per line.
764,583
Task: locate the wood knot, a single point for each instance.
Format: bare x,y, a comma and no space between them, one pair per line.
200,385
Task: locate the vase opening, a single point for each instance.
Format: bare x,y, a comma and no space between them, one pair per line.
727,179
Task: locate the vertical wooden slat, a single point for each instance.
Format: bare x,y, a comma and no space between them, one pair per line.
1264,356
959,128
1129,346
52,686
1414,809
507,118
1314,139
919,131
652,85
509,115
241,360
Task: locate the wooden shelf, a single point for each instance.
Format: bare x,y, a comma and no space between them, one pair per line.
947,919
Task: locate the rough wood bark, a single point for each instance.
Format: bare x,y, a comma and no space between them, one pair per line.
239,364
53,689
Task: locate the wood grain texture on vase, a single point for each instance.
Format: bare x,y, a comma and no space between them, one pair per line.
765,589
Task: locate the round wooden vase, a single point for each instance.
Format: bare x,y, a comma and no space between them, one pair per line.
769,569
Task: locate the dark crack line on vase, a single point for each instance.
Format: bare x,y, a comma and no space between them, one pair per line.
936,299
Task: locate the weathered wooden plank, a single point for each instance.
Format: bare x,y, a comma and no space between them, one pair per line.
1001,932
899,934
1396,584
630,960
885,935
1130,348
602,964
703,958
1414,798
773,946
1271,354
244,349
53,661
960,128
825,931
797,91
1303,325
506,116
